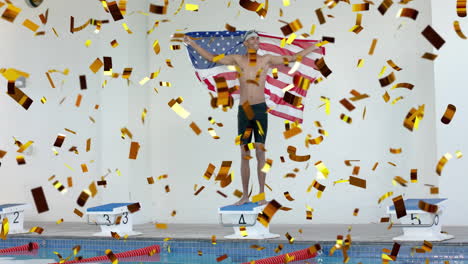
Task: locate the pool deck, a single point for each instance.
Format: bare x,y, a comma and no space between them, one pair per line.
310,233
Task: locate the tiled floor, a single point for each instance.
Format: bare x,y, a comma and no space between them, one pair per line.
311,232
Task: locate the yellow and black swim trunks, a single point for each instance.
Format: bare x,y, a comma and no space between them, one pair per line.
257,126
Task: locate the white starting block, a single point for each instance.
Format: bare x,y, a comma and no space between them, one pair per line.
107,215
15,215
245,215
419,225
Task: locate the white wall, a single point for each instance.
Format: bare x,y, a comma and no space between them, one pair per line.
120,106
450,88
178,151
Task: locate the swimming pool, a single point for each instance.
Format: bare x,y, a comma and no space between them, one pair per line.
203,251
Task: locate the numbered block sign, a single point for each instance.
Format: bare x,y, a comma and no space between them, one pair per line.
112,218
243,218
418,224
15,215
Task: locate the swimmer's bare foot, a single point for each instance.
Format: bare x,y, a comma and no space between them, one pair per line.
262,202
242,201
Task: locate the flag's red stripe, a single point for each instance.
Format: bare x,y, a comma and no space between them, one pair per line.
285,116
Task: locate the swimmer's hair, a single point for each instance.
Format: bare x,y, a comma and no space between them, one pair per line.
248,34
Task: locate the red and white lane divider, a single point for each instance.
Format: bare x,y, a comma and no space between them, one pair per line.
126,254
27,247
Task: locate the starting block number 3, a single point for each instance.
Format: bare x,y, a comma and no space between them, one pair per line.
123,220
15,221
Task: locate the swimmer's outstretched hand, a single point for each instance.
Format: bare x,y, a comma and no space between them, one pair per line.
188,41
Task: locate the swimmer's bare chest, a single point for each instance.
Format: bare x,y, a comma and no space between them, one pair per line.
252,80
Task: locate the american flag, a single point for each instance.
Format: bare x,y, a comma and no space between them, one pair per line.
219,42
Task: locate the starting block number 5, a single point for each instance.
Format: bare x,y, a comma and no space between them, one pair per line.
15,221
418,219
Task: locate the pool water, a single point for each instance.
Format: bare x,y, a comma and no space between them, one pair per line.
202,251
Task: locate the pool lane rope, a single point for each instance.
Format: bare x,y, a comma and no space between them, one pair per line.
126,254
302,254
27,247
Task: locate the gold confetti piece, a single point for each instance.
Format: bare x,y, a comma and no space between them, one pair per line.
59,186
96,65
457,28
288,196
357,182
413,117
79,97
414,175
427,207
408,12
442,162
125,132
431,35
384,6
176,107
385,196
191,7
70,182
21,98
199,190
434,190
346,118
357,27
36,229
360,7
11,13
23,147
30,25
387,80
213,239
111,255
93,189
449,113
290,238
5,229
356,211
323,68
209,171
399,180
291,27
400,208
267,166
320,16
58,222
161,226
40,200
461,8
258,197
150,180
268,212
373,45
175,47
458,153
429,56
83,85
293,156
134,148
157,9
322,168
408,86
395,151
360,63
59,140
114,43
393,65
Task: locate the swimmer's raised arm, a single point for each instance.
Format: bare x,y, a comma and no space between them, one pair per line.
227,60
275,60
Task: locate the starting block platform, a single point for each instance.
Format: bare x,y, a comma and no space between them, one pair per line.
419,225
244,216
15,215
112,217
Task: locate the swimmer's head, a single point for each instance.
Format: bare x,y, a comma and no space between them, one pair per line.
251,40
